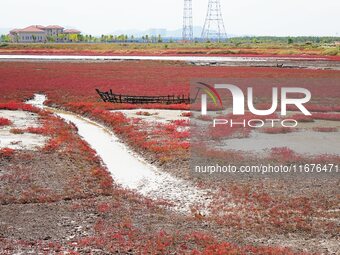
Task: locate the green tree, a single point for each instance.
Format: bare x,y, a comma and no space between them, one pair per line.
153,39
121,37
73,37
160,40
50,38
5,38
80,38
62,37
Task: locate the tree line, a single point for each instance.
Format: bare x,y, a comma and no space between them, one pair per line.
94,39
160,39
284,39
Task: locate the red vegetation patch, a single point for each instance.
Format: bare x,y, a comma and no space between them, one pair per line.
141,113
274,213
19,106
17,131
105,181
39,130
186,114
6,153
76,82
284,154
71,149
323,108
181,123
125,237
302,118
326,116
223,132
277,130
5,122
201,150
163,140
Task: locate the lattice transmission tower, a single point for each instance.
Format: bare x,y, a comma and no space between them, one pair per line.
188,33
214,26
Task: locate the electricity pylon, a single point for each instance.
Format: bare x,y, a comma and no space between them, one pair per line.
188,33
214,26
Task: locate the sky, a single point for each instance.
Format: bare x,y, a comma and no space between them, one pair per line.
241,17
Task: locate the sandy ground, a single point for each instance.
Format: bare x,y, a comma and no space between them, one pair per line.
20,120
37,101
156,115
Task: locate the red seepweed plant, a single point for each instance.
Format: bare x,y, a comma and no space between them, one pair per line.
135,133
6,152
327,116
277,130
5,122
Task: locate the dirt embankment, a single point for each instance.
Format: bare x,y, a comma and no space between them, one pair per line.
174,49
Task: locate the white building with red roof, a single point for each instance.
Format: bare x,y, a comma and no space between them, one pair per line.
71,31
53,30
38,33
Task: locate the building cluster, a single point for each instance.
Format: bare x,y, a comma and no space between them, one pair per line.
38,33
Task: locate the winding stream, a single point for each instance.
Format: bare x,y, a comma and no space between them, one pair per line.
129,170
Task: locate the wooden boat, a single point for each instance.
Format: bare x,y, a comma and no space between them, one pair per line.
127,99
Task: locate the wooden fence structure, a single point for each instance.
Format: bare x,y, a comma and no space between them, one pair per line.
121,99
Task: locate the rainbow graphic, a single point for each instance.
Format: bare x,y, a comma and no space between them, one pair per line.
212,92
